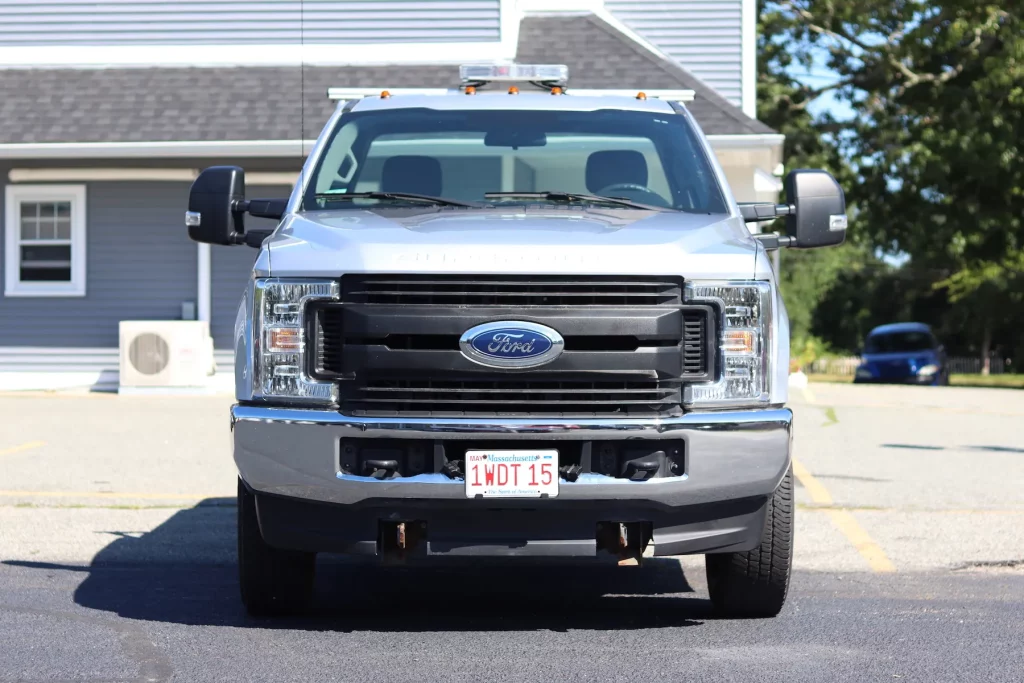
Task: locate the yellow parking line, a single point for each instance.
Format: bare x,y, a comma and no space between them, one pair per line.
865,545
23,447
844,521
109,494
819,494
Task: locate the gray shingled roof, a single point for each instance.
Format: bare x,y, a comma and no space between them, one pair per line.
599,56
269,103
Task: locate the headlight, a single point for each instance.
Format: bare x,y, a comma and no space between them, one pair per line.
279,340
928,370
745,343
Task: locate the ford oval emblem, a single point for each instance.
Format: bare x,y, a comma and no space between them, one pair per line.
511,344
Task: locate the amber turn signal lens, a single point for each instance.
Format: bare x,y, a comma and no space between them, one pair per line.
384,94
641,96
739,342
470,90
513,90
284,339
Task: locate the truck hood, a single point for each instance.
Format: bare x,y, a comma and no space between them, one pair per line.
512,240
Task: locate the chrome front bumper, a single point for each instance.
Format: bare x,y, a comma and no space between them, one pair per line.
295,453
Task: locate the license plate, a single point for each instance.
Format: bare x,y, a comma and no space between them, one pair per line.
511,474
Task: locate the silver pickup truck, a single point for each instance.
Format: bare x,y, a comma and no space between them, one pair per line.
513,319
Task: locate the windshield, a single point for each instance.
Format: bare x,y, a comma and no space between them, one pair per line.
899,342
652,159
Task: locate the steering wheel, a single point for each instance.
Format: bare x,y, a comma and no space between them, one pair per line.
649,196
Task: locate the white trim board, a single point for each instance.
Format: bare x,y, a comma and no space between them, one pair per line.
204,285
242,148
107,381
748,57
357,54
148,150
37,175
746,141
34,175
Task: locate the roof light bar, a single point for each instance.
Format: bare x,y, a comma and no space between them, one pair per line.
557,74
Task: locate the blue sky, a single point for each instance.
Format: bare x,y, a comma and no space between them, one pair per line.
818,76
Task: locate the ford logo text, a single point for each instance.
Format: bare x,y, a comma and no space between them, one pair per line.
510,344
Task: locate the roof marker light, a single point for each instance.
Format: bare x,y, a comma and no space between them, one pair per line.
384,94
470,90
513,90
556,90
641,95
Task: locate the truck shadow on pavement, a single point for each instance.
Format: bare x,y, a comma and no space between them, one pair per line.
184,571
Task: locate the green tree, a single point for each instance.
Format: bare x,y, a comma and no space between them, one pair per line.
934,151
806,276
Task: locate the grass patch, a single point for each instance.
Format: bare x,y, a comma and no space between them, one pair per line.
833,379
1003,381
830,415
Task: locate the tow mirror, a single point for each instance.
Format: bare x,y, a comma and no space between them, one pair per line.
217,208
815,212
818,218
215,213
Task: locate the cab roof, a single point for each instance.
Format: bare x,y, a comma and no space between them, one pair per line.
523,87
524,101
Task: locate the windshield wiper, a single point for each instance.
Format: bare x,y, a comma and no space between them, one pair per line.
400,196
569,197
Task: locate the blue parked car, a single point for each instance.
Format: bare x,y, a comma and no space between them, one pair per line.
906,353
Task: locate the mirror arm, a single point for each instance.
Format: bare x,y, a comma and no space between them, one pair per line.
253,238
262,208
773,240
755,212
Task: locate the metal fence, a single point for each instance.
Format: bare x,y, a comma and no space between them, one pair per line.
847,366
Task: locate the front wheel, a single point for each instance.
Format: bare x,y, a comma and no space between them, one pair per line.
755,583
274,582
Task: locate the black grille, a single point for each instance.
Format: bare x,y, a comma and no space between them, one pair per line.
631,344
512,397
695,356
511,290
330,341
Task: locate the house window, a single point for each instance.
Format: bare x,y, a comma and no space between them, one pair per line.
44,246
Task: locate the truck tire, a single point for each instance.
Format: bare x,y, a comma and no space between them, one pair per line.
273,582
755,583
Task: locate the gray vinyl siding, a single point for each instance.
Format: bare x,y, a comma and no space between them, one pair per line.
140,265
705,37
232,268
234,22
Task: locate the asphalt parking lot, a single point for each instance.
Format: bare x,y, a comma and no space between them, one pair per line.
117,563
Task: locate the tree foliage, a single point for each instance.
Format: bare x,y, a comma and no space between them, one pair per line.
932,157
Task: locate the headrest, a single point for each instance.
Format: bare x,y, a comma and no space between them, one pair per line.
416,174
615,166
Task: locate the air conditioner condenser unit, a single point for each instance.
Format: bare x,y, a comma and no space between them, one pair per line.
165,353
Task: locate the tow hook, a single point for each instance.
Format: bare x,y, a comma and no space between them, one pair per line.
397,540
629,541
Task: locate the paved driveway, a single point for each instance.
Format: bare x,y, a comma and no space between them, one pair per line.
117,563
